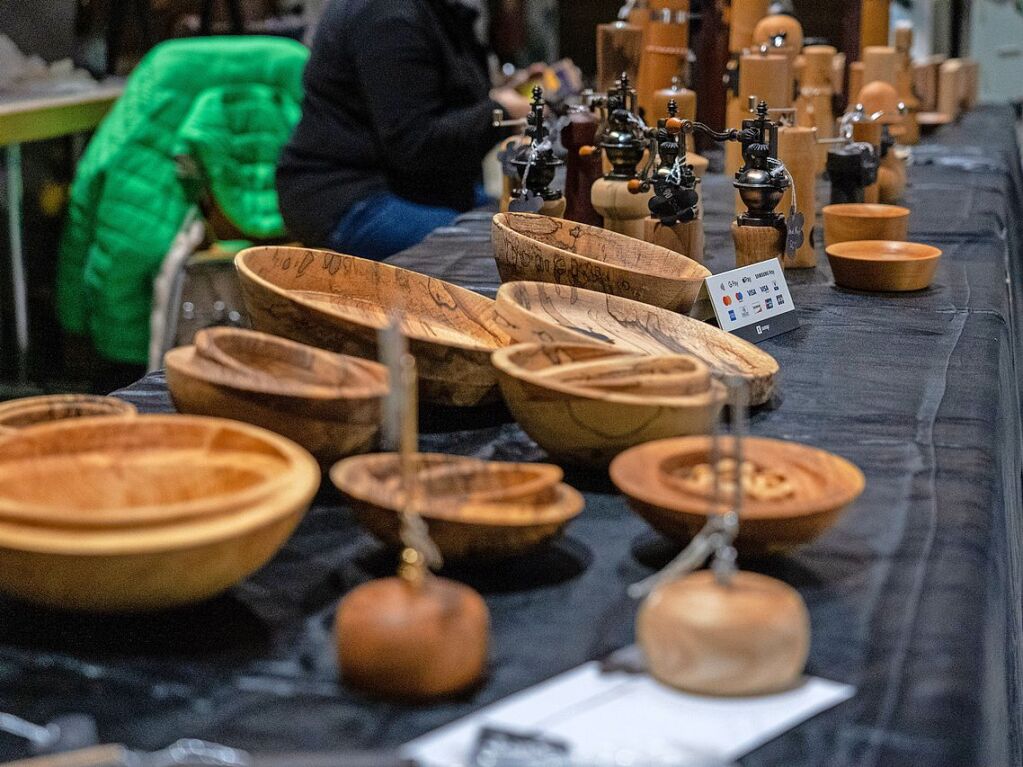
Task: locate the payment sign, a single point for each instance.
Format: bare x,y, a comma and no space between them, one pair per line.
767,306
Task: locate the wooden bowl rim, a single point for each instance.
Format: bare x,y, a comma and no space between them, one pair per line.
865,211
891,252
476,301
637,475
700,272
106,406
301,471
933,119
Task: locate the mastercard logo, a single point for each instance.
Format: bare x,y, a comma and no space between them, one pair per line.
727,300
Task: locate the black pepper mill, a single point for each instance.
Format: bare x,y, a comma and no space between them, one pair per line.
535,166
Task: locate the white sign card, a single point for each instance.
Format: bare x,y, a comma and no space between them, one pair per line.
753,302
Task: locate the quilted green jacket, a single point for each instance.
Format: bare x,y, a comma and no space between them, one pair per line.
230,103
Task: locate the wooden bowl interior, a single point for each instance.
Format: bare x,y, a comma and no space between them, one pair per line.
865,210
17,414
883,251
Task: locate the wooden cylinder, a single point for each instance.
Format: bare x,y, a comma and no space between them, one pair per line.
581,172
619,49
814,107
665,55
874,16
880,63
925,81
891,179
970,84
744,17
553,208
950,87
856,80
870,133
754,244
685,238
838,74
623,211
767,78
797,148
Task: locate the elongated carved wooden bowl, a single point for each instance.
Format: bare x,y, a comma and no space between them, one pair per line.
883,266
544,249
339,303
29,411
539,312
823,484
144,513
584,404
474,509
328,403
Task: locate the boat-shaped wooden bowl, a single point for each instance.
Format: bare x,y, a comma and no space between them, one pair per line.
114,467
585,404
823,484
29,411
328,403
883,265
931,121
474,509
543,313
545,249
339,302
849,221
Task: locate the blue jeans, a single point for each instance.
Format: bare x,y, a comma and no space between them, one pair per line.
380,226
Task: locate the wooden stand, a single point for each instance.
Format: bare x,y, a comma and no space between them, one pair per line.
754,244
856,80
797,148
925,81
685,238
814,106
623,211
581,171
619,49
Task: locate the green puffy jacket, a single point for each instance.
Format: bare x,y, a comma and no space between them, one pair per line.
228,102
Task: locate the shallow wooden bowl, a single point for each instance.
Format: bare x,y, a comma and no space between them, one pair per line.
115,467
824,485
543,313
328,403
29,411
339,302
585,404
883,266
474,509
849,221
545,249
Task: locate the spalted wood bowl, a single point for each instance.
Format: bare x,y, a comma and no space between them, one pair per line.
474,509
544,249
544,313
849,221
214,500
339,302
328,403
29,411
823,485
883,266
584,404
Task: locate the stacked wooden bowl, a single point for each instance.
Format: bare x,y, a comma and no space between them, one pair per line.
474,509
29,411
339,303
544,249
144,513
883,266
584,404
328,403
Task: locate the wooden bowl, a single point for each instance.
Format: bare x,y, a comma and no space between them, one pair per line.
117,466
474,509
823,483
584,404
882,265
29,411
544,313
339,302
864,221
328,403
544,249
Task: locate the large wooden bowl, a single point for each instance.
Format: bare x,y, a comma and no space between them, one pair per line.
849,221
29,411
544,249
585,404
474,509
116,466
824,485
883,266
544,313
328,403
339,302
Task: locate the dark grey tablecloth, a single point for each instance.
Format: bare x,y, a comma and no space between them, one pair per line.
914,595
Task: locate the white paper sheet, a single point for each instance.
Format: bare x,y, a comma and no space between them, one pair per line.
620,715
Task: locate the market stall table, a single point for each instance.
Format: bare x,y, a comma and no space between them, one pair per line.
914,595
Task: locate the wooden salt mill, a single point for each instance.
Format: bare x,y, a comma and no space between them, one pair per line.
799,151
665,53
619,49
904,85
581,171
763,76
814,107
722,631
881,102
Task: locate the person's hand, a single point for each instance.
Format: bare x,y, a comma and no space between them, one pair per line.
513,103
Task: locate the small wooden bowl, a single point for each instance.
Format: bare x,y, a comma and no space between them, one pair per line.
119,466
585,404
474,509
339,303
328,403
883,266
850,221
544,313
29,411
824,485
544,249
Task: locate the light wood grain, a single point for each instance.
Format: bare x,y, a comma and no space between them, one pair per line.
797,148
685,237
780,24
845,222
883,266
539,312
623,211
880,63
339,303
29,411
754,244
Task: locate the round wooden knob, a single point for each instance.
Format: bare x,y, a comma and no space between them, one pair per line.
750,637
404,641
587,151
635,185
673,125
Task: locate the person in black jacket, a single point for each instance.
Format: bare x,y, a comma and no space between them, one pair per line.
396,121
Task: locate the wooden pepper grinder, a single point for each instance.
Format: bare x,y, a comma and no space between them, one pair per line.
685,102
665,54
798,151
874,20
814,107
763,75
581,171
881,102
535,166
742,16
904,85
619,49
